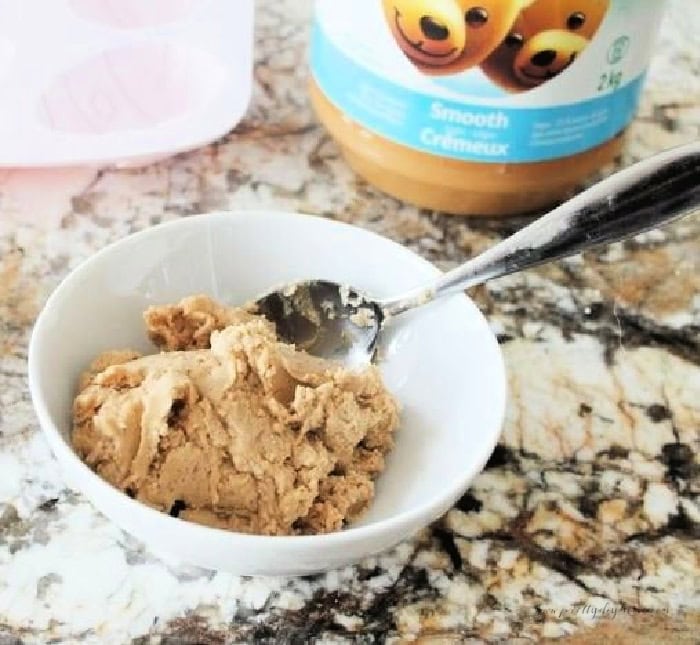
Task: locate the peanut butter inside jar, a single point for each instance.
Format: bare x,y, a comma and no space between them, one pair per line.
454,186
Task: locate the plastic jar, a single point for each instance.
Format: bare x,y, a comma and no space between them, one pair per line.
480,106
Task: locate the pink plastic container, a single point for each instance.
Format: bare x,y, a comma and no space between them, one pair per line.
110,81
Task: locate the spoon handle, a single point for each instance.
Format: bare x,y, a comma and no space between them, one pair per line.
636,199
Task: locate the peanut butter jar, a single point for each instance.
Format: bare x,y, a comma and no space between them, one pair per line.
495,108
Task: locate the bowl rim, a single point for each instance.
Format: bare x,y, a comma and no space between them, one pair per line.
68,459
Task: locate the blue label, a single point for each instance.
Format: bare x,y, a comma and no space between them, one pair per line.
462,131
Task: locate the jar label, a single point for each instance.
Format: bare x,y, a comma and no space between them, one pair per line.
498,81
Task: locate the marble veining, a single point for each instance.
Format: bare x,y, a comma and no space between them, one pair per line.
585,523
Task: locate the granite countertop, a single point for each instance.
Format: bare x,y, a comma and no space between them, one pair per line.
585,521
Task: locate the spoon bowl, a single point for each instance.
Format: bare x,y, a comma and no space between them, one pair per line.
325,319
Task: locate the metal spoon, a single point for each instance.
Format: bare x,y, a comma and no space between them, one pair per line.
339,322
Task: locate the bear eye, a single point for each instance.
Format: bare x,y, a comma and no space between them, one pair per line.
514,39
575,20
476,17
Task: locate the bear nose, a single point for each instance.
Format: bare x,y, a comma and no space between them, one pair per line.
433,30
543,58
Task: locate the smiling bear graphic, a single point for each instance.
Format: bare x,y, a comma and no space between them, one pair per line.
546,39
450,36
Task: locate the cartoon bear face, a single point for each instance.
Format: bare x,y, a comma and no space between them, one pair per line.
546,38
449,36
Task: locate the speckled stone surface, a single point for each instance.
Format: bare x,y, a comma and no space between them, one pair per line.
585,523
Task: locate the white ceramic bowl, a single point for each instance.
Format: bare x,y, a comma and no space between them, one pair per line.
442,362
